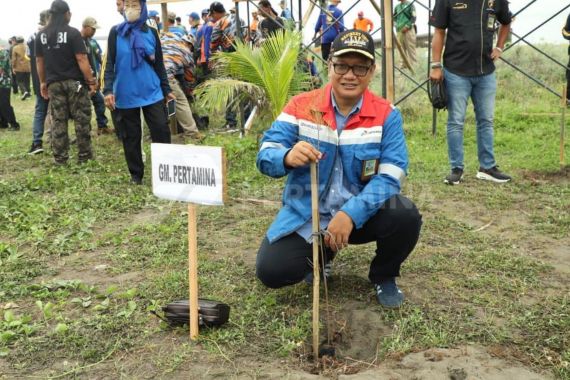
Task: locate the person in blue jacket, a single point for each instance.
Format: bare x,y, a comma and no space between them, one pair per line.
135,80
357,138
329,25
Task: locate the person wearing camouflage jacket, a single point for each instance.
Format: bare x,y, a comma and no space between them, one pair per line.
7,115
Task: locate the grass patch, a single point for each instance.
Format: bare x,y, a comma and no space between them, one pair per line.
85,256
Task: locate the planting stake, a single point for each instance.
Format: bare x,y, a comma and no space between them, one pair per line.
316,276
562,127
193,270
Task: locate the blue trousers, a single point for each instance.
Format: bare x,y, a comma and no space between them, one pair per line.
481,89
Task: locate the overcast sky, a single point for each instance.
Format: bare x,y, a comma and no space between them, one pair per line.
20,17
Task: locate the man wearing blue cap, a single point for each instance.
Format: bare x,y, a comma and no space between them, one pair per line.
154,20
194,21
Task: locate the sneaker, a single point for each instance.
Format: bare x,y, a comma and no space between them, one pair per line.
493,174
26,95
455,177
136,180
388,294
36,148
327,271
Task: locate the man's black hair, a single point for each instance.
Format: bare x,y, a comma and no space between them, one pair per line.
266,3
56,20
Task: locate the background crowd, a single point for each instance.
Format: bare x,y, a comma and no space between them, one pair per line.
184,47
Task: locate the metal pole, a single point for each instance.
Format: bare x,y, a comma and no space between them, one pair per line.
530,77
300,17
532,31
334,20
525,7
248,22
540,51
240,104
238,22
411,92
433,110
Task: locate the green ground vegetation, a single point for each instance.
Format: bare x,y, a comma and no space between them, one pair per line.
85,256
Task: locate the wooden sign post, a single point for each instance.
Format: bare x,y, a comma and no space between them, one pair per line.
388,33
193,270
197,175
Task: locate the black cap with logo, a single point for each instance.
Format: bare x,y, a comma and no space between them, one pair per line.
353,41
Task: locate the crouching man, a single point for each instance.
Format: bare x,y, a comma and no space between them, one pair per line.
357,139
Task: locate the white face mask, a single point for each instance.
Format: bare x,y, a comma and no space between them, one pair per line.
132,14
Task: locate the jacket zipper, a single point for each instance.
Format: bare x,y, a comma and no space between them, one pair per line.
482,8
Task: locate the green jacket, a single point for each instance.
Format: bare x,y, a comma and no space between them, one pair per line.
5,69
405,15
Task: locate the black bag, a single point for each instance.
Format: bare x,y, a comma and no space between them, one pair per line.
210,313
437,94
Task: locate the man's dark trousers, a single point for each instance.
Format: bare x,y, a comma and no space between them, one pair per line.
395,228
6,109
99,106
326,50
129,121
23,80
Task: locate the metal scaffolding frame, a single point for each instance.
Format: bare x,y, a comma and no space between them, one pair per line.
388,71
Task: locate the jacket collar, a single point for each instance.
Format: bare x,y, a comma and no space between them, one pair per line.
325,107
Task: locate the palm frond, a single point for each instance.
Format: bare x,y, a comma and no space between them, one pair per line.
216,94
270,75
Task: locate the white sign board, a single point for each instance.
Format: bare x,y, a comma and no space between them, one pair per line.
188,173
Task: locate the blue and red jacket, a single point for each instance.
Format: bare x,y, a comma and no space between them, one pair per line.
374,133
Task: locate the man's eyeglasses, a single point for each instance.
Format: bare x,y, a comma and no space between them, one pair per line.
358,70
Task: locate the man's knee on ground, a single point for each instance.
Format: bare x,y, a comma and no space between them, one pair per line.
269,275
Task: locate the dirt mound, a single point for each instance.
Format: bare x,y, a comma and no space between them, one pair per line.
463,363
364,331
